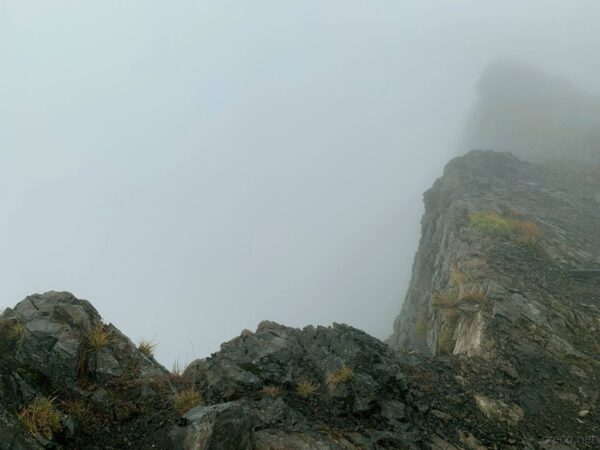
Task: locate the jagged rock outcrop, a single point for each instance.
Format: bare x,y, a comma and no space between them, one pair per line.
277,388
507,273
103,391
354,389
497,346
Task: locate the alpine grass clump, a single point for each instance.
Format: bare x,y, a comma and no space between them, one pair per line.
522,231
147,347
306,388
99,336
40,417
186,400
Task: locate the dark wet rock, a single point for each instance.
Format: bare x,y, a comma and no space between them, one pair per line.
497,347
224,426
533,341
98,392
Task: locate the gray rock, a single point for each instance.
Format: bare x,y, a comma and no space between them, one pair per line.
225,426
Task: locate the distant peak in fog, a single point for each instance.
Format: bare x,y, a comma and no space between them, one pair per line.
534,115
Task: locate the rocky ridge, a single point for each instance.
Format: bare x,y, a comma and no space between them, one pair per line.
507,273
497,346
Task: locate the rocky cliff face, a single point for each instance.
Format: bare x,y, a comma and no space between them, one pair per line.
497,346
507,247
508,272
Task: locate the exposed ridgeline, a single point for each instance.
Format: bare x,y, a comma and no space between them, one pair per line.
506,279
508,273
533,115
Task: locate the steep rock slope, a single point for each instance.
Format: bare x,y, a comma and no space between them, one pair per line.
508,271
497,346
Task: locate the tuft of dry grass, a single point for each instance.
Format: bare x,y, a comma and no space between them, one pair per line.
473,294
99,336
271,391
527,231
177,370
446,299
342,375
306,388
186,400
40,417
147,347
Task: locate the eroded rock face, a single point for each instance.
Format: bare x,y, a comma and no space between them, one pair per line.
506,273
98,389
356,388
388,400
225,426
497,346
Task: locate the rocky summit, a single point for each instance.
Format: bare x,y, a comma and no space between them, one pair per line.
497,345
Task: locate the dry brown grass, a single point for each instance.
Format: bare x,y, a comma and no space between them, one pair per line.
528,232
342,375
271,391
186,400
99,336
147,347
474,294
450,314
177,370
306,388
445,299
40,417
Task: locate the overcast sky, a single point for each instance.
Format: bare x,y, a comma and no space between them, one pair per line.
193,167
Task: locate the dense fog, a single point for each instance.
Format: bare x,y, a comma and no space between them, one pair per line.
195,167
533,115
